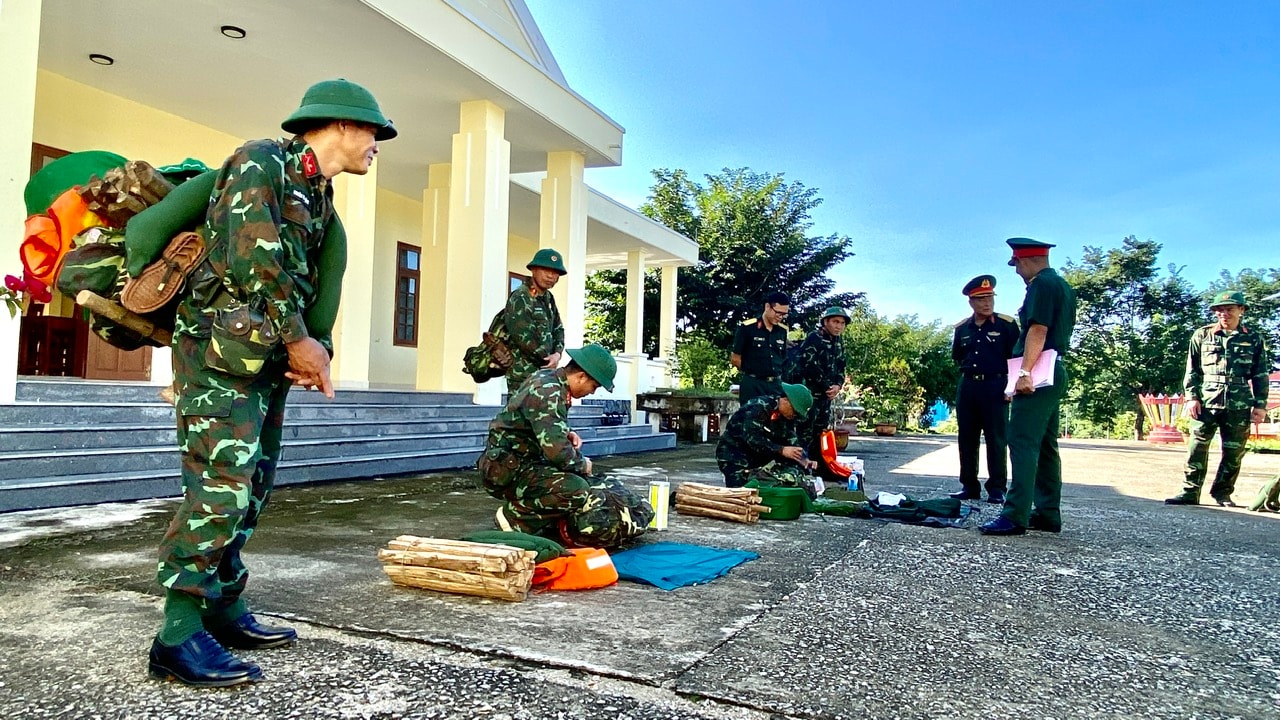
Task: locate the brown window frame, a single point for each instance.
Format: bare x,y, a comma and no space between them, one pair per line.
515,280
404,273
42,153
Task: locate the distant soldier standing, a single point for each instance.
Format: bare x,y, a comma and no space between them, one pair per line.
763,430
820,366
981,346
760,349
1047,317
533,461
240,340
534,331
1226,390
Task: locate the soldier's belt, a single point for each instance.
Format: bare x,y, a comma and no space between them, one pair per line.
765,378
986,376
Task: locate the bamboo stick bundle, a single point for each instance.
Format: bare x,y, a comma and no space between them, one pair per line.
454,566
734,504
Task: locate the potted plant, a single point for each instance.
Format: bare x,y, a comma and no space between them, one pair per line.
886,411
846,413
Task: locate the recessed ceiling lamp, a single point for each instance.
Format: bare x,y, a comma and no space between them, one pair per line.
102,59
233,32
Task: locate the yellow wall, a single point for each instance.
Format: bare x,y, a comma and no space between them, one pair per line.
71,116
399,220
520,251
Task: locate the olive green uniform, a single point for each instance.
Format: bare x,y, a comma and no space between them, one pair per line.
1227,373
1033,419
764,353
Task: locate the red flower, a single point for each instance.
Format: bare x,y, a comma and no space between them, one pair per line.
36,286
14,283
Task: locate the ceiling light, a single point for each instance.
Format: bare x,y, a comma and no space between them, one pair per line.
233,32
102,59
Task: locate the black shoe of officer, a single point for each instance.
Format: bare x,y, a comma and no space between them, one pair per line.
200,661
1183,499
1038,522
1225,501
1002,526
996,497
246,633
966,495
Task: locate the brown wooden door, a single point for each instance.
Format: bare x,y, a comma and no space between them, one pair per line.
104,362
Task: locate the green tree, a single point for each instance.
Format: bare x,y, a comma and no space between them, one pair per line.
752,231
898,366
1132,329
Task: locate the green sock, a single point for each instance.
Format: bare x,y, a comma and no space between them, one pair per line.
226,613
182,617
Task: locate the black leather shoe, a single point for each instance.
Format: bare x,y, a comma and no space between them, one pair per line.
1002,526
1183,500
996,497
1225,501
1037,522
200,661
966,495
246,633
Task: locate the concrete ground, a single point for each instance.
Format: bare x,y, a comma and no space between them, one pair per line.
1136,610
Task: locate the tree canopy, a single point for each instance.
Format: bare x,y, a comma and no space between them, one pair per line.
752,231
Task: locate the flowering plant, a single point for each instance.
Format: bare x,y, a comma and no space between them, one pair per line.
14,286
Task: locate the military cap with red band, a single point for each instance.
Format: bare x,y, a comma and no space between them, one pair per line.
1026,247
981,286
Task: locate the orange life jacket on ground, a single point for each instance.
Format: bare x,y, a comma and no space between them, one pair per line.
585,569
831,457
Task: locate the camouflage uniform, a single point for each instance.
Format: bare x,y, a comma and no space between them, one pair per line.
753,439
534,331
818,365
529,463
1227,373
267,215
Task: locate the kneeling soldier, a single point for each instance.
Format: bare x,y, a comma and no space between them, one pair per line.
762,431
533,461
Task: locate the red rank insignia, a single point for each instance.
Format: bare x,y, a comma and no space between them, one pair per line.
310,165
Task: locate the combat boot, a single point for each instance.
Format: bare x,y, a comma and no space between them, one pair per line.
1184,499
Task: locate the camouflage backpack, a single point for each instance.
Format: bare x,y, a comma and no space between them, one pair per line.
491,358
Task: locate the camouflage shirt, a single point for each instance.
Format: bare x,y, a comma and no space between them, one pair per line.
267,216
1227,370
534,426
534,331
819,363
758,429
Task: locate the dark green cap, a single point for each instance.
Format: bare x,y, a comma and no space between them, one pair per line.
549,259
339,100
835,311
800,397
597,362
981,286
1228,297
1026,247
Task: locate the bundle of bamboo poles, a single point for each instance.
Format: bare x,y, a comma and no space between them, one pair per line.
454,566
736,504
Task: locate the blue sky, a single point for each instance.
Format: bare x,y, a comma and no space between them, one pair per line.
934,130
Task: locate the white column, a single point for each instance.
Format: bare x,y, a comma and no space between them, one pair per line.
563,226
355,197
19,52
431,293
633,341
667,317
476,253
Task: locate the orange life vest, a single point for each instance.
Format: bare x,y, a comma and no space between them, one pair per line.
830,456
585,569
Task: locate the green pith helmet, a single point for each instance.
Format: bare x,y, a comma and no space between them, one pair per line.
598,363
800,397
339,100
836,312
549,259
1228,297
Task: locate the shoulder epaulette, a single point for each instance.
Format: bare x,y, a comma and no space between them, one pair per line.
1006,318
962,321
749,321
784,326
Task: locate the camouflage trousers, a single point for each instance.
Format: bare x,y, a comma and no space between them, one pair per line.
809,430
740,469
540,499
1233,425
229,432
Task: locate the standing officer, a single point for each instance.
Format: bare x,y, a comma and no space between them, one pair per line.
1047,317
1226,390
820,366
533,462
762,431
981,347
760,349
534,331
240,339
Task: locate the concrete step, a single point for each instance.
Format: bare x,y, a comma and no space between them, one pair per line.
83,488
89,392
